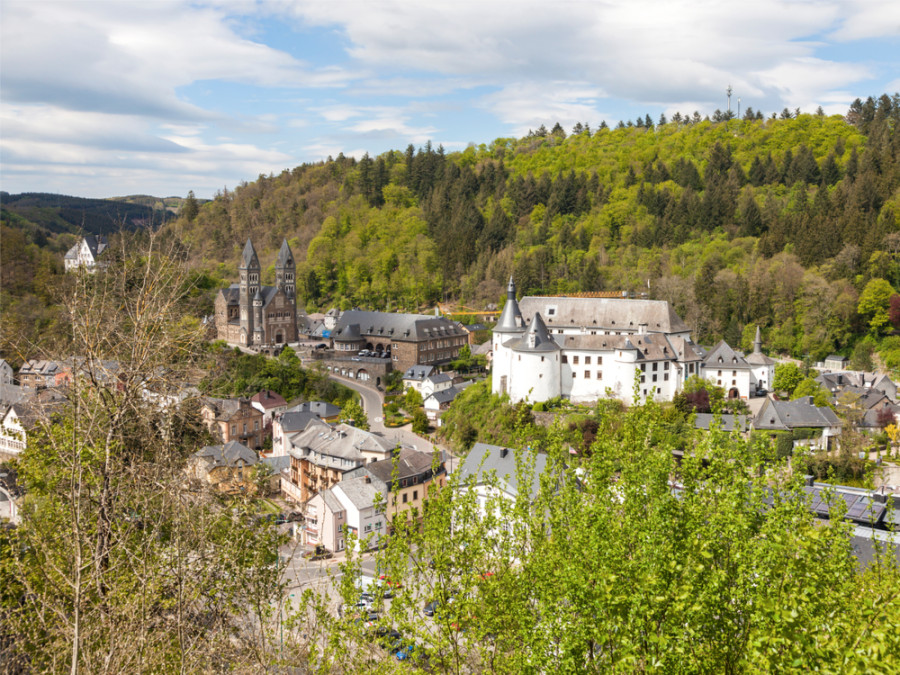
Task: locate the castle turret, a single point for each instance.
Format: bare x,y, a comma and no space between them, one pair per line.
249,287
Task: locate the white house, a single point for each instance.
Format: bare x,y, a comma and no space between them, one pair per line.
584,349
14,430
348,507
762,368
725,368
86,253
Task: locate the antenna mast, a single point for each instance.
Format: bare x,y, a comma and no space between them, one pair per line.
728,91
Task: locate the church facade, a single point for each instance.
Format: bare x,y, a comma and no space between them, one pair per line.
251,315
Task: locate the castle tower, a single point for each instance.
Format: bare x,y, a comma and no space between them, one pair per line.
249,287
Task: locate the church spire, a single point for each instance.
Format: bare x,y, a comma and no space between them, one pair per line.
510,320
757,343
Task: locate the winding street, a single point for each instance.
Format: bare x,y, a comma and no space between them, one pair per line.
373,402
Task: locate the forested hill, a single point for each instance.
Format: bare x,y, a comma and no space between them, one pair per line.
777,222
44,215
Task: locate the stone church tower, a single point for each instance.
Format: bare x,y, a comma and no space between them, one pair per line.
249,288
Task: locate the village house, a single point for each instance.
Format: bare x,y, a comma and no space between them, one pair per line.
347,508
39,373
321,454
727,369
269,403
86,253
821,425
227,468
405,480
296,419
6,373
435,404
369,497
234,419
20,419
762,368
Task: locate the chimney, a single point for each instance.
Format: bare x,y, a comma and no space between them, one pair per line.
368,479
504,452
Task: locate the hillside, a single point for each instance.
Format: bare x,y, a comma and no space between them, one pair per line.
781,223
777,222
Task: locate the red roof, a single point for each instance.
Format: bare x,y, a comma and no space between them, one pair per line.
269,399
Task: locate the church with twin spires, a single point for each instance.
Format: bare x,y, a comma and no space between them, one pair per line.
251,315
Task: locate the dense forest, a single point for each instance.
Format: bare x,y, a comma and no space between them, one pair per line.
790,223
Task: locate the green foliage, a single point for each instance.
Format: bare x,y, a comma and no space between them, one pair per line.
412,399
788,377
420,422
809,387
353,413
234,373
874,304
615,573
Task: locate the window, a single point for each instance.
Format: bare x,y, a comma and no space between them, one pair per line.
643,378
542,359
666,365
378,525
599,360
245,427
234,429
599,374
643,367
575,359
655,366
405,497
415,495
666,377
720,373
654,377
734,373
587,360
565,359
587,374
368,528
574,374
255,425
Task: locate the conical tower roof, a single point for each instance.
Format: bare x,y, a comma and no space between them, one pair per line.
511,320
248,257
285,256
536,338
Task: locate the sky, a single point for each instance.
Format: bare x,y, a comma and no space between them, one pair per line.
103,98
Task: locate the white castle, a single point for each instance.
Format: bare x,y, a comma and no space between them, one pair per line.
584,349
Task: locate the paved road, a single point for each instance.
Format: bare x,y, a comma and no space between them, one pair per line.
373,402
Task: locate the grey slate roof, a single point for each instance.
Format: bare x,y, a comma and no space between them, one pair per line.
230,454
439,378
728,422
649,347
685,350
359,491
407,463
292,422
249,257
484,458
317,408
783,415
535,339
417,373
340,442
445,395
723,356
483,349
232,294
391,326
510,320
331,501
277,464
285,255
96,244
613,314
349,333
9,394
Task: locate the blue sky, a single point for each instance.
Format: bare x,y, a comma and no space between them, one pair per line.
101,98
